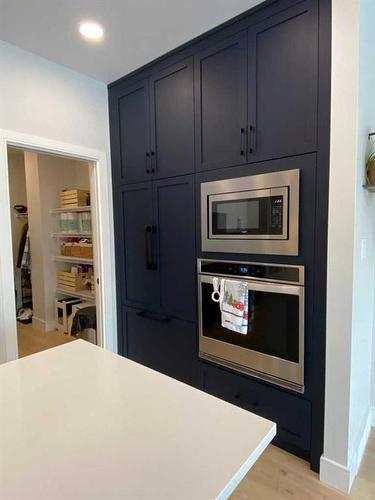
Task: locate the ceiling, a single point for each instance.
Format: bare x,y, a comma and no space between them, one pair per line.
136,31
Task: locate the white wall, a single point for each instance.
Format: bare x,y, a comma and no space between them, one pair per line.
350,279
42,99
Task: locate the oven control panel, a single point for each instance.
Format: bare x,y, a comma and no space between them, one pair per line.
271,272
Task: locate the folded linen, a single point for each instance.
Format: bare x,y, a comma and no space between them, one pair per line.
234,305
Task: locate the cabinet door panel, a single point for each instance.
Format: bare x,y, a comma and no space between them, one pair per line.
162,343
133,109
283,54
172,120
175,215
139,282
221,104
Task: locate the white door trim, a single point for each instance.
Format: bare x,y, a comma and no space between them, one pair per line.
104,218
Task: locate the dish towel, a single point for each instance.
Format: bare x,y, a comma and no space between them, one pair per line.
234,306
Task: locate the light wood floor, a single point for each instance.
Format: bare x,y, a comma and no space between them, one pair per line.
279,476
31,340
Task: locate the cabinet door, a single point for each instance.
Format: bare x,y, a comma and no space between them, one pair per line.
172,120
134,132
221,104
174,209
282,61
137,247
161,343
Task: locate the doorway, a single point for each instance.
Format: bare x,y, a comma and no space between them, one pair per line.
55,273
103,252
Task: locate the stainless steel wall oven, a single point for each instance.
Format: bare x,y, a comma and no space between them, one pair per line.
273,347
252,214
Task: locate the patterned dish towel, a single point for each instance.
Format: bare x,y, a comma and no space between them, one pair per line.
234,306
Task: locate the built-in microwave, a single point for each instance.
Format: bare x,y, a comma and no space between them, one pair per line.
252,214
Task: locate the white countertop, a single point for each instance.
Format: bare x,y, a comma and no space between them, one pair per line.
77,423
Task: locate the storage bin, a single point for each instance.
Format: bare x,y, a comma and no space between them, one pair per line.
74,198
84,222
74,282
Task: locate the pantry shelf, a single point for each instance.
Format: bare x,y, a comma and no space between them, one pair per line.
73,260
69,210
81,295
72,235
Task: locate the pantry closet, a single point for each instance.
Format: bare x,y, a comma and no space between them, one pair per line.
53,235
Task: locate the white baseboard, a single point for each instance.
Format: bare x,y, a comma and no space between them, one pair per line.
44,325
341,476
336,475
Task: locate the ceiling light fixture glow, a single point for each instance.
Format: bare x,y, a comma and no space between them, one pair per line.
91,30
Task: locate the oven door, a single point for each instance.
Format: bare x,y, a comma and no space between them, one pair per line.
261,214
273,348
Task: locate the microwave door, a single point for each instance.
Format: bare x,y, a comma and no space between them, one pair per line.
261,214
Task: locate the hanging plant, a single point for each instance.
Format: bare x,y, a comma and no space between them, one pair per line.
370,168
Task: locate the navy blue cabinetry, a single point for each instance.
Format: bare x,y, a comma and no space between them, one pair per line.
283,80
152,125
130,132
156,246
291,413
162,343
220,104
250,97
172,120
272,71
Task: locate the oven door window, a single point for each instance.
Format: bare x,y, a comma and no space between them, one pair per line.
258,214
273,323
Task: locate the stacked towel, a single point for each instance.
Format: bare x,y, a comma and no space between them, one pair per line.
234,305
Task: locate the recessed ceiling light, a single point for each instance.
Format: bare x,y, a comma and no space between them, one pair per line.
91,30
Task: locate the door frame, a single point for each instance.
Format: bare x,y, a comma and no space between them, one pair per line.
101,181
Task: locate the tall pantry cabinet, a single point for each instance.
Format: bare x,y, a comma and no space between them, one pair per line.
253,90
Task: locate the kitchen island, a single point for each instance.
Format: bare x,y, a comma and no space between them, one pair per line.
80,423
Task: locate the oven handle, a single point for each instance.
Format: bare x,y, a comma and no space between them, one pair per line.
260,287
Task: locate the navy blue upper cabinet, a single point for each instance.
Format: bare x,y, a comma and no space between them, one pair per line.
282,92
134,134
221,104
172,120
136,246
175,208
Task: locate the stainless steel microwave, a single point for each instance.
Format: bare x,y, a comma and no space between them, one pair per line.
253,214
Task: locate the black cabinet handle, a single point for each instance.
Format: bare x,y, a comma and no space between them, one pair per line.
251,138
254,403
153,316
243,141
148,243
152,153
147,154
149,247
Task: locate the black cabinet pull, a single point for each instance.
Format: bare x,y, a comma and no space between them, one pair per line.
243,141
152,153
147,154
251,138
148,246
153,316
147,170
254,403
